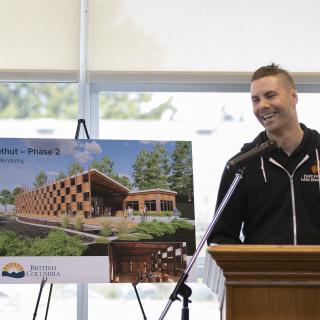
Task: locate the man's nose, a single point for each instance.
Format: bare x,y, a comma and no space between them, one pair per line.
264,104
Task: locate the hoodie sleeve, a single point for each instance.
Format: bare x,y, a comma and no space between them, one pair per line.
228,226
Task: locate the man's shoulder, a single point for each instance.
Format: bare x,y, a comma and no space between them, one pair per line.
312,133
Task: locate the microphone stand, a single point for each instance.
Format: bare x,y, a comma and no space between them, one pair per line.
43,282
181,288
134,284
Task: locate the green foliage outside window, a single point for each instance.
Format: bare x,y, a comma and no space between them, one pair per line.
60,101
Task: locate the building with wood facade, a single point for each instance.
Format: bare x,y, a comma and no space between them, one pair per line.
92,194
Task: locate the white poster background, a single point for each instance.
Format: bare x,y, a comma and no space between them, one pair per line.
94,269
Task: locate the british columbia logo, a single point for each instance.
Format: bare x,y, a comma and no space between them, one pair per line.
13,270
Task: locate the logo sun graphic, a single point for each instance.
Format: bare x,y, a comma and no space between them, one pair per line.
13,270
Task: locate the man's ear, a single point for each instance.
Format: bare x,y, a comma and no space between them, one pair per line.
294,95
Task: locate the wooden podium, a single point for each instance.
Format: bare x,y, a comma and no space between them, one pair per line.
269,282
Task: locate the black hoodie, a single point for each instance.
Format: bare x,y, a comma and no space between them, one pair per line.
278,198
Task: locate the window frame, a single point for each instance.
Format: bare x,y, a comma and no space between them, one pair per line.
144,82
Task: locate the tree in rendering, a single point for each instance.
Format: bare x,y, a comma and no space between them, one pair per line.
5,198
75,168
151,168
41,180
181,179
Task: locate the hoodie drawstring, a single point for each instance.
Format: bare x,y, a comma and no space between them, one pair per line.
318,166
264,172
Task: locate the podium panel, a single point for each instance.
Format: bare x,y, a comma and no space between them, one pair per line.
269,282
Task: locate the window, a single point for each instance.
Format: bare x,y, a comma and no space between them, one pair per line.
79,206
209,127
151,205
73,181
73,198
68,190
37,110
79,188
133,204
166,205
86,196
85,177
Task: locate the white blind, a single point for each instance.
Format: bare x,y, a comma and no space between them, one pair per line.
161,36
39,34
203,35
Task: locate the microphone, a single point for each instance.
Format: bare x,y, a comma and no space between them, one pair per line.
269,145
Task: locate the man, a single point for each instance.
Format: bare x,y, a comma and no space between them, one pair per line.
278,199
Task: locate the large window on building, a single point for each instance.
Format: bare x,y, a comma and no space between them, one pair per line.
133,204
166,205
151,205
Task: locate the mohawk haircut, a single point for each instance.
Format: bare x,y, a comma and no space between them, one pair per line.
273,70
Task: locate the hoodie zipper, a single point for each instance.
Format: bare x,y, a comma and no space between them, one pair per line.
293,202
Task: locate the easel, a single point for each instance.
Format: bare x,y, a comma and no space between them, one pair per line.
81,121
134,284
44,280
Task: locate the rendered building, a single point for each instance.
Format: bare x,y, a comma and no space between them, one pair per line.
93,194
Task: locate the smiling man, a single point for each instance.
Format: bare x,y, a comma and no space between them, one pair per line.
278,199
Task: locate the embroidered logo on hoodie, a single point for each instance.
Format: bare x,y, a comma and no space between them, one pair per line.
314,177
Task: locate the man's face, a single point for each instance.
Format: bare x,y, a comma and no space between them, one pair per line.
274,103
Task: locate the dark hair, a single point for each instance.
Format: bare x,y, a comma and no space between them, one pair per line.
273,70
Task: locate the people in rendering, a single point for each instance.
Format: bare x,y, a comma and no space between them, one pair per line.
98,211
145,213
176,212
278,199
130,213
92,212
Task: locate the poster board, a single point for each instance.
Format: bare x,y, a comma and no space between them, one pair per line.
95,210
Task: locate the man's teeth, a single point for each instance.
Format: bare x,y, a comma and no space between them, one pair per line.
268,116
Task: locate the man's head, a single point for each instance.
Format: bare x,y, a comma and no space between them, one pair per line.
274,70
274,99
